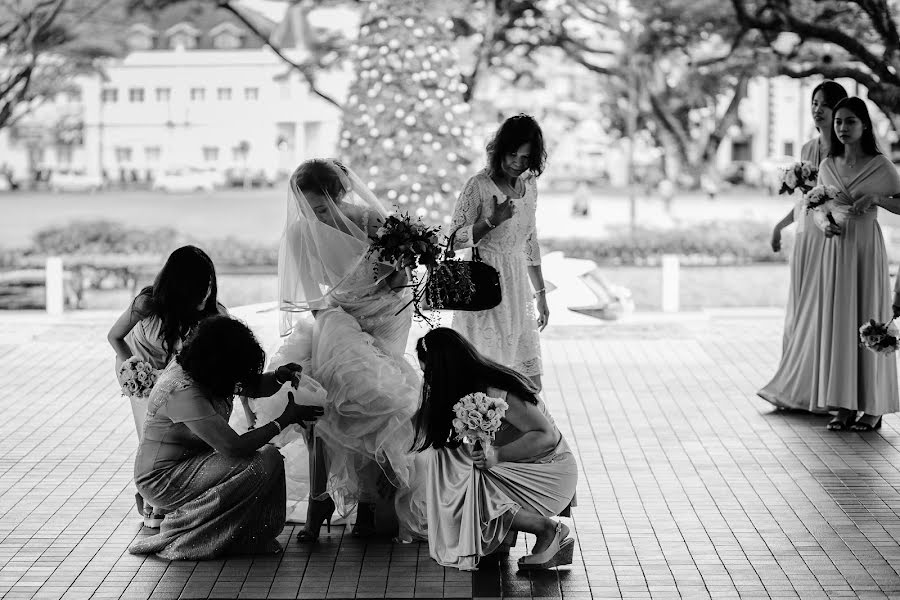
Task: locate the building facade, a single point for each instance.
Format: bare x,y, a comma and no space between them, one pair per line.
196,90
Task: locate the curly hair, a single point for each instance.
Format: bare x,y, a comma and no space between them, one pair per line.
222,353
514,133
454,368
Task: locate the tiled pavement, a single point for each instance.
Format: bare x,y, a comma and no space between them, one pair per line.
690,486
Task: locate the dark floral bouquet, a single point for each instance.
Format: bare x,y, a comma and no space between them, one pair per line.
881,338
450,284
407,244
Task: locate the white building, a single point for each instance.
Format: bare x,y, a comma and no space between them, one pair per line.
197,89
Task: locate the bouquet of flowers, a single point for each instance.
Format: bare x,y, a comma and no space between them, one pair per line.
800,175
405,243
137,378
478,417
882,338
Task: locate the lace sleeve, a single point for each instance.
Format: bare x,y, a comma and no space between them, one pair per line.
465,214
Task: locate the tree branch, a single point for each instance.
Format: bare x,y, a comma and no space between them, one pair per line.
790,23
304,70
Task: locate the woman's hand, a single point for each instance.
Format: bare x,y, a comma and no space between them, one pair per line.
776,239
832,229
502,211
485,457
289,373
297,413
864,203
543,311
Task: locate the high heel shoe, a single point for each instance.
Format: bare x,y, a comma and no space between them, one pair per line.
365,520
558,553
319,511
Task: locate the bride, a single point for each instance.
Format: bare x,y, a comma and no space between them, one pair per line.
347,318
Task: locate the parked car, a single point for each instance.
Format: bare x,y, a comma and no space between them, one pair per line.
239,177
76,181
187,179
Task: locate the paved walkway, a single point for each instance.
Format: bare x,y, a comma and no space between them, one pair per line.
690,487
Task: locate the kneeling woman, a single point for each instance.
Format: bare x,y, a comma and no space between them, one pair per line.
220,492
474,498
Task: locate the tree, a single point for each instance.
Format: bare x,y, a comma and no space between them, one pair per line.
45,44
855,39
405,121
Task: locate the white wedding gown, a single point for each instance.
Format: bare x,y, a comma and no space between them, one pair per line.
355,350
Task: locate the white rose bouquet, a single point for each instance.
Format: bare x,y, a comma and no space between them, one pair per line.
137,378
478,417
821,200
800,175
881,338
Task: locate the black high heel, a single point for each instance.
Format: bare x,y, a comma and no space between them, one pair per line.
319,511
365,520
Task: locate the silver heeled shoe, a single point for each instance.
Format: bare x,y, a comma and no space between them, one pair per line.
557,554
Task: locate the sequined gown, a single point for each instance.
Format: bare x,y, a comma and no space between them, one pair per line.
214,504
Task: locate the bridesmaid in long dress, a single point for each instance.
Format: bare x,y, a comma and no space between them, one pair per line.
792,385
855,281
475,497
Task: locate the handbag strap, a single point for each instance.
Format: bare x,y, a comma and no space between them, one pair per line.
449,249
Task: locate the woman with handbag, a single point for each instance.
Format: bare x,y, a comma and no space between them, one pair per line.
504,234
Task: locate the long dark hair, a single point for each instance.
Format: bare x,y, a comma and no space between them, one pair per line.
177,291
832,93
858,107
513,133
453,369
222,353
320,175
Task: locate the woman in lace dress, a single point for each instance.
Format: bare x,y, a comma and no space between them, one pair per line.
504,233
347,319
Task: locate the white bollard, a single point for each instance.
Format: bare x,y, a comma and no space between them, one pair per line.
53,273
670,284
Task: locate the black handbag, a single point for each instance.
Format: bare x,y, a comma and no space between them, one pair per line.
461,284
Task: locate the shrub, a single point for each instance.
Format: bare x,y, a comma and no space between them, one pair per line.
717,243
104,237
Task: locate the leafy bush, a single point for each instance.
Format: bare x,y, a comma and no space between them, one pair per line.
104,237
717,243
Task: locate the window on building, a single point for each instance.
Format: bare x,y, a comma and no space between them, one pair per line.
789,148
210,153
224,94
198,94
123,154
64,155
183,36
109,95
136,95
163,94
141,40
152,153
251,93
227,36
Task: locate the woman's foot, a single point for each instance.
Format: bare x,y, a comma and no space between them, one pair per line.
318,512
365,520
867,423
550,551
841,421
152,518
